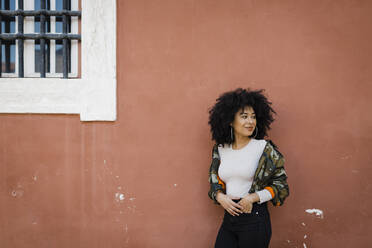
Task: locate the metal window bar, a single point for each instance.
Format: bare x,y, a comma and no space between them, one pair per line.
65,44
20,42
7,45
42,40
1,41
7,15
40,12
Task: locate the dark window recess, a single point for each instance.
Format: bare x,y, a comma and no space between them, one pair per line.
42,36
8,56
59,56
38,55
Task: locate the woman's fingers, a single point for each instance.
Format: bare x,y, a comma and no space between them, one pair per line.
230,212
237,205
236,210
247,205
247,210
232,208
233,211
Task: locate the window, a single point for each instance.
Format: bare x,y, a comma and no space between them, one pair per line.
40,38
90,89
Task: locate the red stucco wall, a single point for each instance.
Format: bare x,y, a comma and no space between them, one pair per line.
142,181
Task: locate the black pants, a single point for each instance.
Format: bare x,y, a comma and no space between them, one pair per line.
251,230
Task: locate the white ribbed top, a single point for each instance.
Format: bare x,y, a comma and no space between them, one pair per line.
237,169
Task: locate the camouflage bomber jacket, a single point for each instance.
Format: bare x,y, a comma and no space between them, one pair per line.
270,175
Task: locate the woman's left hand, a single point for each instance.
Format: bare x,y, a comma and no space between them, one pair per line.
247,202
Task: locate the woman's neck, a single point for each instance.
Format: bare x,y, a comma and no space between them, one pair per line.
240,141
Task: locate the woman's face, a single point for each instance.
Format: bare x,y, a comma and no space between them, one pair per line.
244,122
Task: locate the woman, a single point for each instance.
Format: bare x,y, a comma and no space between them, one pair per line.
246,171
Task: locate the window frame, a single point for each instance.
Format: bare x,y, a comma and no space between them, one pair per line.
93,95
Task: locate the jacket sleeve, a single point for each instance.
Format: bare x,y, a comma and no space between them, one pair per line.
216,184
277,184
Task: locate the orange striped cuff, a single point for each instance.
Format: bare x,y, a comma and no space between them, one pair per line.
271,191
221,182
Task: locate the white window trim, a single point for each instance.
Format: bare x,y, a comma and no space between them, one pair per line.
93,96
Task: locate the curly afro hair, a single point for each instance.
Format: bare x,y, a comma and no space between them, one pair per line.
229,103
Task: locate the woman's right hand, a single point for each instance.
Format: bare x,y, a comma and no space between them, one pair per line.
229,205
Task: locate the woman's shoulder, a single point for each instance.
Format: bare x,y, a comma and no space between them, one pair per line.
222,148
260,141
260,144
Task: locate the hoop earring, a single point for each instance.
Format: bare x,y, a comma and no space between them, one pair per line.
256,132
231,134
